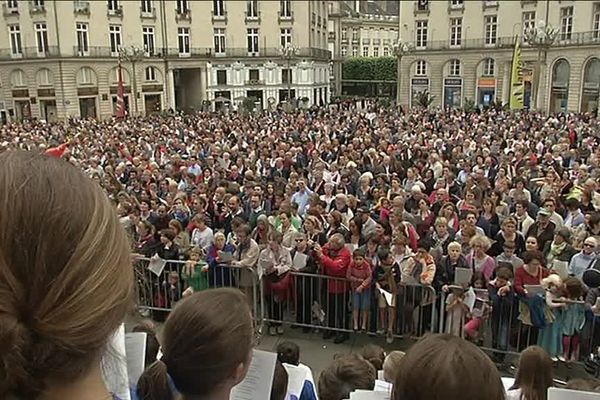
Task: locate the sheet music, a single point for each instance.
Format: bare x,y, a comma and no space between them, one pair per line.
299,261
259,380
463,276
114,366
387,295
156,265
135,348
567,394
225,256
369,395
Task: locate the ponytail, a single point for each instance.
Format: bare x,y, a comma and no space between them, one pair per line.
154,383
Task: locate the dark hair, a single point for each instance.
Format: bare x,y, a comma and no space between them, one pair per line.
168,233
205,339
280,382
534,374
424,243
573,287
529,256
503,273
346,374
441,366
358,253
373,354
288,352
152,344
358,222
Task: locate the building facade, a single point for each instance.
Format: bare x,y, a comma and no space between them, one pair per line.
462,50
360,28
59,59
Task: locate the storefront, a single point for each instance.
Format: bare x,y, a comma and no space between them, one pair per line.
88,107
417,87
591,86
453,92
152,98
559,95
486,91
527,74
22,104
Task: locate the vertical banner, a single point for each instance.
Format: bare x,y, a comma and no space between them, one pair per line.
517,87
120,93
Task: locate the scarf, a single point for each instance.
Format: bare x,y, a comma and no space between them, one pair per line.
555,251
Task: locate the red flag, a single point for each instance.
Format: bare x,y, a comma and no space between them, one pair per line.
120,93
57,151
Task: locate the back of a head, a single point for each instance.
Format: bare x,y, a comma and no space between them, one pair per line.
66,282
373,354
206,345
280,382
288,353
391,365
534,375
446,367
346,374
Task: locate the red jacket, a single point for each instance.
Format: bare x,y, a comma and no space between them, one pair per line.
336,264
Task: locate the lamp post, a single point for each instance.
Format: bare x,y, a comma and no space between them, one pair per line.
542,37
401,49
133,55
288,52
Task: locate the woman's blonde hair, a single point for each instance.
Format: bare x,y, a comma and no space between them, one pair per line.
66,282
481,240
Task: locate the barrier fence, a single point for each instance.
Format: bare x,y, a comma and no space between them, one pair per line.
500,325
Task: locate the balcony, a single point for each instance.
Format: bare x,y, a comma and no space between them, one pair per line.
183,15
366,41
331,36
252,18
289,17
81,7
528,2
489,4
9,11
148,14
376,42
219,17
421,9
36,9
254,82
28,53
115,12
268,52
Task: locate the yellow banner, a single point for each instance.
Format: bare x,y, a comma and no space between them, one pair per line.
517,87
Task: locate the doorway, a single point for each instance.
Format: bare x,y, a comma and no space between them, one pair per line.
48,110
152,103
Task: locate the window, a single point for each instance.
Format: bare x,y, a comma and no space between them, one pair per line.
148,38
355,34
285,8
252,34
44,77
86,74
286,76
38,4
454,68
421,68
422,5
254,75
528,20
219,38
41,37
113,5
150,74
491,29
252,8
82,38
183,41
375,51
344,51
12,6
386,51
455,31
344,33
566,23
146,6
219,8
18,78
596,21
221,77
115,38
15,39
421,32
456,3
354,51
286,36
183,7
489,67
365,51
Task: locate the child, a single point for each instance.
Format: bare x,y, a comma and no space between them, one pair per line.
195,273
550,337
573,319
481,309
390,365
172,289
502,298
456,311
360,275
508,256
384,209
387,277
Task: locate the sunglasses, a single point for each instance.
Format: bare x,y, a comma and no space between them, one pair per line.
299,240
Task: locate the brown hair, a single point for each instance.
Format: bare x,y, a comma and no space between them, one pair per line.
534,375
373,354
206,337
66,282
280,382
346,374
441,366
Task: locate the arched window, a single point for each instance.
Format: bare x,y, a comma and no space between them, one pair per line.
44,77
86,76
591,85
150,74
454,68
421,68
17,78
561,72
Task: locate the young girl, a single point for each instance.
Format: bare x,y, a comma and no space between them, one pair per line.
456,311
550,337
481,310
195,273
573,319
360,275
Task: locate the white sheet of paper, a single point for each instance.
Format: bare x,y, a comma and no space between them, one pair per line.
507,383
387,295
156,265
369,395
225,256
135,348
114,366
296,378
567,394
299,261
257,383
470,298
383,386
561,268
463,276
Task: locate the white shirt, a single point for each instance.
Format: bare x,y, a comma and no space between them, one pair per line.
202,239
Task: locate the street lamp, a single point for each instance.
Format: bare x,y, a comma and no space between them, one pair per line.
288,52
133,55
541,37
401,49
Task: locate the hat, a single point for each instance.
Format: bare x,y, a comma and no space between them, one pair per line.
565,233
544,212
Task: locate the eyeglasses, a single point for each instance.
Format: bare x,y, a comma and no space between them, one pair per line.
588,245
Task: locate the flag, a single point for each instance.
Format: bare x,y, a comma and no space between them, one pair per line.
120,93
57,151
517,87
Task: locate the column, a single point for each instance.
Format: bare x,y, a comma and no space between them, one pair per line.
170,89
506,89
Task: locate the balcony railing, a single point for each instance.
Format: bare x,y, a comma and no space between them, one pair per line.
219,17
81,7
254,82
9,11
183,15
251,17
270,52
36,9
28,53
148,14
115,12
285,17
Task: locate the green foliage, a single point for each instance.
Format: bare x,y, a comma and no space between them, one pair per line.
469,105
424,99
370,69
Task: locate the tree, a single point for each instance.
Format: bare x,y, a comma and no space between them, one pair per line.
469,105
370,69
424,99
